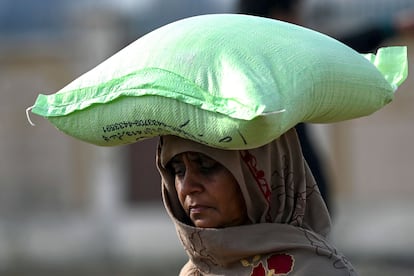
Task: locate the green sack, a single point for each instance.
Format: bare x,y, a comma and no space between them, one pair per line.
226,80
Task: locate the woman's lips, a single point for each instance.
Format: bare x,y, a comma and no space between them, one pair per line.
196,209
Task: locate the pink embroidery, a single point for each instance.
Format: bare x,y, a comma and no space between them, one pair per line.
259,175
277,264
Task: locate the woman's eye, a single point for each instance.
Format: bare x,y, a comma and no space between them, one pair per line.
178,170
208,165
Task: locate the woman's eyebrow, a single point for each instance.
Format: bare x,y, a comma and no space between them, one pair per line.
175,161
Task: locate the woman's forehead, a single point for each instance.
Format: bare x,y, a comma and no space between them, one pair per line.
191,156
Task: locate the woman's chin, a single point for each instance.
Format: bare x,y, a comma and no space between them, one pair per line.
204,223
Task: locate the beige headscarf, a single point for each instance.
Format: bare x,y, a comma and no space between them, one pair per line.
289,220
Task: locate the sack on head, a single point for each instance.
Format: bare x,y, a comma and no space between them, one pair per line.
226,80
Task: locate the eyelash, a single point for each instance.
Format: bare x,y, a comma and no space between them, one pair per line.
178,171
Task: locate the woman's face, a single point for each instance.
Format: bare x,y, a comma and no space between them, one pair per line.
207,191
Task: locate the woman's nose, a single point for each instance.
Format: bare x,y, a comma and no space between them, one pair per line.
191,183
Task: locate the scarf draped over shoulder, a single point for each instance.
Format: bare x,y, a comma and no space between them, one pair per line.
289,222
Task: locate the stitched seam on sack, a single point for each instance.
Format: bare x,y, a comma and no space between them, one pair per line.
81,103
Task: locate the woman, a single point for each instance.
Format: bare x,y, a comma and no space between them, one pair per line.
248,212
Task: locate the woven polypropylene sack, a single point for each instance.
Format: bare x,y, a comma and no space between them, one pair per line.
225,80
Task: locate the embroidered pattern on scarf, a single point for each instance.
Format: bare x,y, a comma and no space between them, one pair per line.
322,248
195,246
275,264
259,176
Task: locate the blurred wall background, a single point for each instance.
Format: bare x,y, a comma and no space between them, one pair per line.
69,208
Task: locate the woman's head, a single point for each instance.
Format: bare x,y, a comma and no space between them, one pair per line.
208,192
195,174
